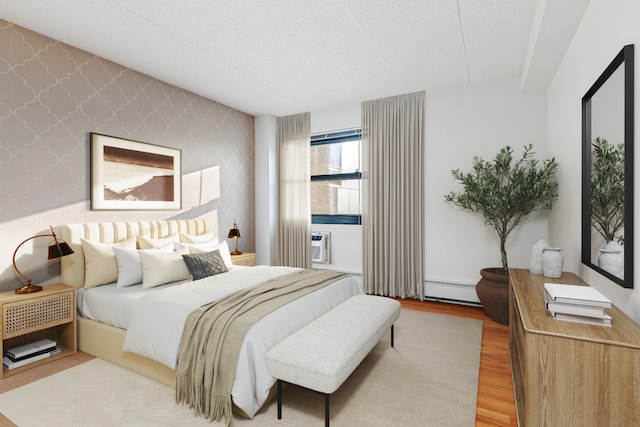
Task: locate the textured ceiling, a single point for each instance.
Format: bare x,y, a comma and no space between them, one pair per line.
283,57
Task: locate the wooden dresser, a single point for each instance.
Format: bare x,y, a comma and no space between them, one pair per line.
570,374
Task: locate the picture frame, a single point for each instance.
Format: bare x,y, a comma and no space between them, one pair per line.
134,175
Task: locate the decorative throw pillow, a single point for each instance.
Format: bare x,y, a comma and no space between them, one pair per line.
197,238
205,264
149,243
100,266
161,268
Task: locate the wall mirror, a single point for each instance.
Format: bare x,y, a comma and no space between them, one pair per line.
607,171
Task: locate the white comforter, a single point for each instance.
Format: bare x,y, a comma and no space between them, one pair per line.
157,320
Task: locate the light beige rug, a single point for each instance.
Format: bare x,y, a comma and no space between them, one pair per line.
430,378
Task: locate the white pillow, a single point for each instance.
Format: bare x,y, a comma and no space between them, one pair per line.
222,247
197,238
161,268
208,246
149,243
129,267
100,266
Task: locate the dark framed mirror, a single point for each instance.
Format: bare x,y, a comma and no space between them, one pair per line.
607,171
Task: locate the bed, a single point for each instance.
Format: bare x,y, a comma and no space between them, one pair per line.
107,311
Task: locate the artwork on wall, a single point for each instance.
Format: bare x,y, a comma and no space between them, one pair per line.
133,175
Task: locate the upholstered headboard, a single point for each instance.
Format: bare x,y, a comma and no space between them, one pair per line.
72,266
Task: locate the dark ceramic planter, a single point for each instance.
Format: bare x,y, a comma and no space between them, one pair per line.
493,291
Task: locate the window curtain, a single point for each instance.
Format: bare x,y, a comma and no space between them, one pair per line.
293,243
393,217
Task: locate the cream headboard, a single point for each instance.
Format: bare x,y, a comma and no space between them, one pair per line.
72,266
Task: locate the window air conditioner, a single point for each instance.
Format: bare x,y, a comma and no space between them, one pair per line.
320,248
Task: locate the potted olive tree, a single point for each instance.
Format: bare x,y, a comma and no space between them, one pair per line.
607,202
607,189
503,192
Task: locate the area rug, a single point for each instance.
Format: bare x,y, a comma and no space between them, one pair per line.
430,378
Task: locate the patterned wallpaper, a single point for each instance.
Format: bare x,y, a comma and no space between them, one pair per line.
52,95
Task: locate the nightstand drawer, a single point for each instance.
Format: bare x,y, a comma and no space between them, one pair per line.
23,317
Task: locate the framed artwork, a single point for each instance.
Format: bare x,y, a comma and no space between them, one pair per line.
133,175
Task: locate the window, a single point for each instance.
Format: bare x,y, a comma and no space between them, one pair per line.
336,180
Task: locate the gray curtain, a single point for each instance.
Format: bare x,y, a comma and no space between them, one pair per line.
393,217
293,242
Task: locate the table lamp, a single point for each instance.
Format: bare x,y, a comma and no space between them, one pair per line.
57,249
234,233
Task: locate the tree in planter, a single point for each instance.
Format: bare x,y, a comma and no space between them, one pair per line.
503,192
607,190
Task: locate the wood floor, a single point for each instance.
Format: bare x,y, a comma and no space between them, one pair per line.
496,405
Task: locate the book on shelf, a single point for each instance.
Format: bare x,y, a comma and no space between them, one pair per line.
10,364
577,295
576,309
606,321
31,349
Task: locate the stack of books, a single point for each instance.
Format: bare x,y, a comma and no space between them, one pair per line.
29,353
574,303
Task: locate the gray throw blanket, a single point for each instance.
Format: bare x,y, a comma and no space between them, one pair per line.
213,335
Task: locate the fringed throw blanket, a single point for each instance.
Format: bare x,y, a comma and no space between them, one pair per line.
213,335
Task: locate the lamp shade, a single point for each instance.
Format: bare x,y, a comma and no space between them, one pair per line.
59,249
234,233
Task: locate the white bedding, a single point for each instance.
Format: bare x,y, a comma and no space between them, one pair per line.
154,319
111,305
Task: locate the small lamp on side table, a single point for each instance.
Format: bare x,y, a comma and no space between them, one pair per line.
234,233
57,249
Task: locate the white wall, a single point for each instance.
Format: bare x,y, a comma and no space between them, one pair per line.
460,124
266,187
345,249
340,118
605,28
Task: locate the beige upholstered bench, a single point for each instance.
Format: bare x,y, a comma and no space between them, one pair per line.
321,355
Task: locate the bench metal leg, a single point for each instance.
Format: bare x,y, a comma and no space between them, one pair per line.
392,335
326,410
279,399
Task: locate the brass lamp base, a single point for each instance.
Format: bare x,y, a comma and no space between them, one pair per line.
28,289
236,252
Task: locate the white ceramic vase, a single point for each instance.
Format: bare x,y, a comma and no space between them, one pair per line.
535,265
611,259
552,262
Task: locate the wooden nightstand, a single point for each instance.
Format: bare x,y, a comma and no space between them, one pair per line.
246,258
26,318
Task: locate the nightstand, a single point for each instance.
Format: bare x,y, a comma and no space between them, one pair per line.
50,313
246,258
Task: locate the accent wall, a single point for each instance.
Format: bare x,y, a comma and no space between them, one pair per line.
53,95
